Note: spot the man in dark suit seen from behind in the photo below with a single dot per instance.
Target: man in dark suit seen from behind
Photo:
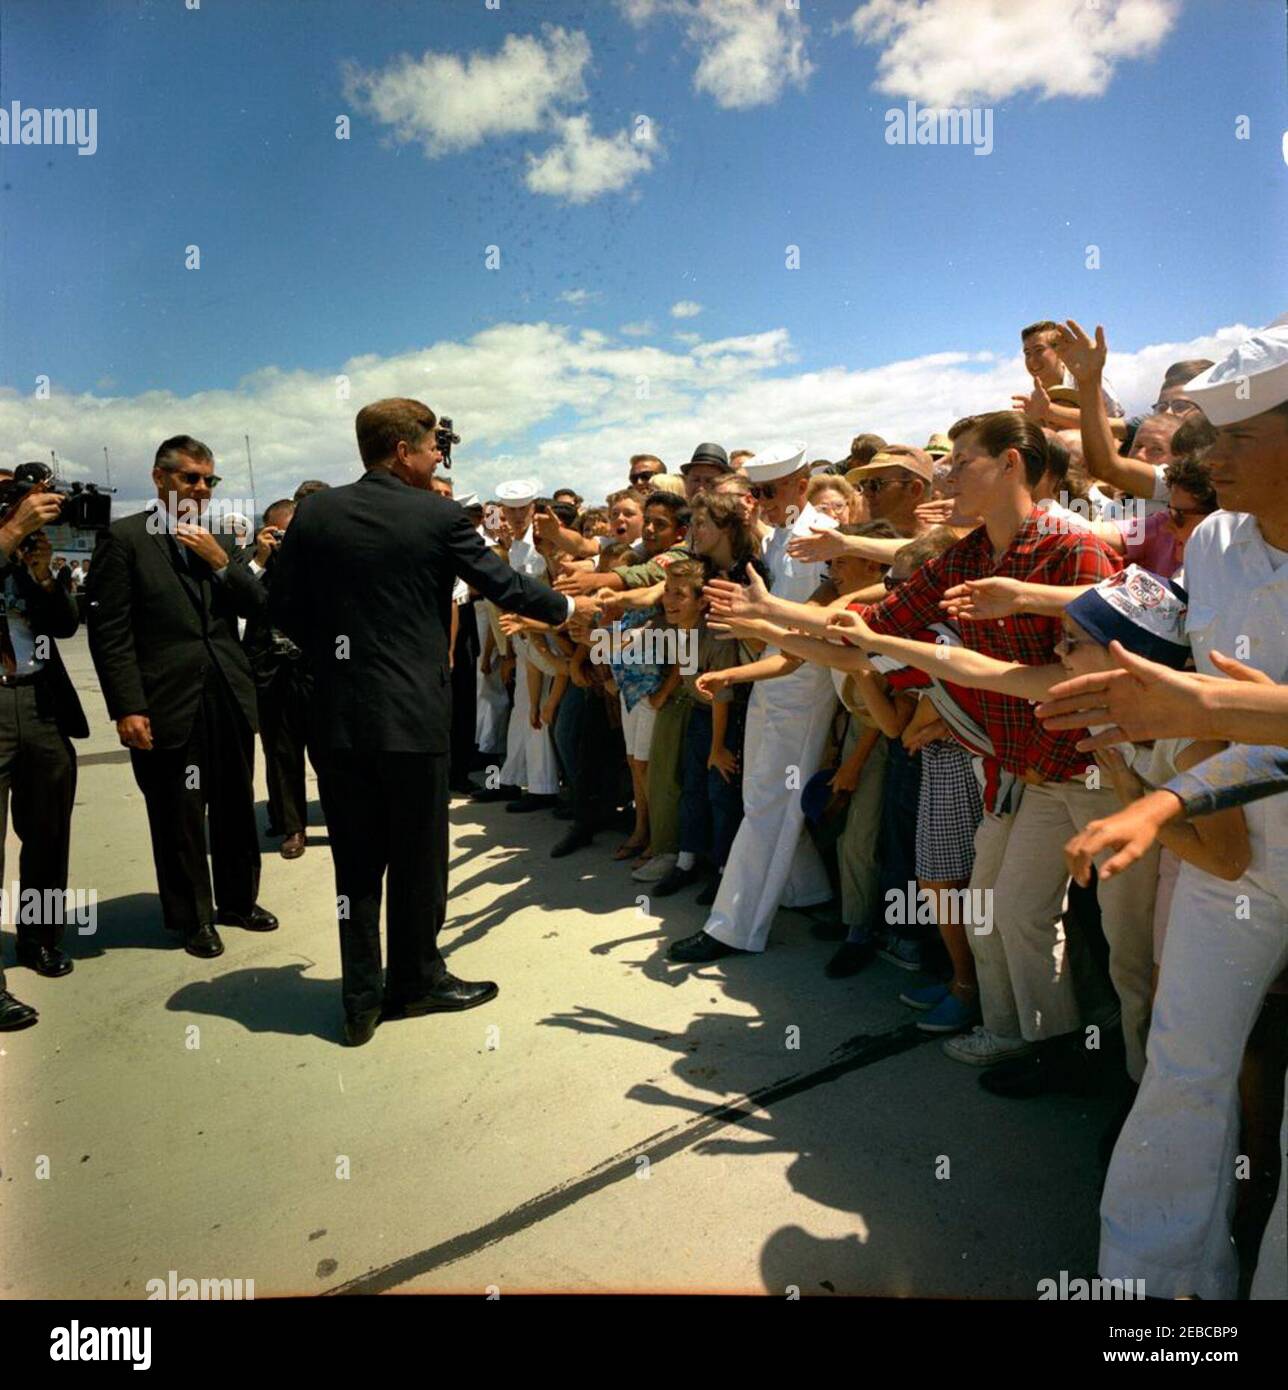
(164, 598)
(364, 584)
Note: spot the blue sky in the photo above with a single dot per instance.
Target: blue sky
(217, 127)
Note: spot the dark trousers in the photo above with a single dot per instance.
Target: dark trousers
(283, 719)
(601, 760)
(710, 807)
(898, 835)
(465, 661)
(210, 774)
(387, 813)
(38, 777)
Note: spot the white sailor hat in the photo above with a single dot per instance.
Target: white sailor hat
(773, 462)
(1252, 379)
(517, 493)
(469, 499)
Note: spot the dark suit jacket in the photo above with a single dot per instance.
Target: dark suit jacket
(363, 583)
(156, 629)
(52, 615)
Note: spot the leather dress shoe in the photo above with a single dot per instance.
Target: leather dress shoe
(700, 948)
(14, 1014)
(45, 960)
(449, 995)
(577, 838)
(708, 894)
(293, 846)
(360, 1028)
(204, 942)
(849, 958)
(675, 881)
(257, 919)
(1056, 1066)
(529, 802)
(504, 792)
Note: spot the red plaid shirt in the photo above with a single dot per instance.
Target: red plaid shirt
(1022, 743)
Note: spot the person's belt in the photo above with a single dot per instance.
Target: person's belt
(9, 682)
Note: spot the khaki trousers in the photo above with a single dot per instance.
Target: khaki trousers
(1026, 980)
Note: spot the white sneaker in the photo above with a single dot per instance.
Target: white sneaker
(980, 1048)
(657, 868)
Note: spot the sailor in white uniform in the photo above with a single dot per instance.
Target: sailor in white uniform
(771, 863)
(1165, 1214)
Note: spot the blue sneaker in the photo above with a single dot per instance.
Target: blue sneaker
(950, 1015)
(903, 951)
(924, 998)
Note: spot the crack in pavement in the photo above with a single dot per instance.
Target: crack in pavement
(863, 1050)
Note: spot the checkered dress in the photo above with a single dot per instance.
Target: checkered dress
(948, 813)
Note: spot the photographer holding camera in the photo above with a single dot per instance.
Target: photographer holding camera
(39, 716)
(283, 686)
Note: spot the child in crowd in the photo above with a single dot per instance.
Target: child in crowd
(711, 804)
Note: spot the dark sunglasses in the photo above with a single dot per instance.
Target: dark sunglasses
(638, 478)
(192, 478)
(762, 492)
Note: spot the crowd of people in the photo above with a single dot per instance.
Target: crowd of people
(983, 707)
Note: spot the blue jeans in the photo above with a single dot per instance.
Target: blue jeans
(710, 807)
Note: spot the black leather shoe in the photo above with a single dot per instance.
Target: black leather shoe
(1056, 1066)
(526, 803)
(361, 1028)
(204, 942)
(700, 947)
(257, 919)
(708, 894)
(45, 960)
(849, 958)
(675, 881)
(449, 995)
(501, 793)
(14, 1014)
(577, 838)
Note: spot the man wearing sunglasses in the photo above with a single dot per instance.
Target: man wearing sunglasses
(643, 469)
(896, 482)
(164, 596)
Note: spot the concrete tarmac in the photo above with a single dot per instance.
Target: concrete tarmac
(611, 1122)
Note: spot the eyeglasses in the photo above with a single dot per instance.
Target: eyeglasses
(638, 478)
(762, 492)
(872, 486)
(192, 478)
(1178, 406)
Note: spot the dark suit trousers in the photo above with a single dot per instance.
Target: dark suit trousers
(601, 759)
(212, 772)
(38, 778)
(464, 694)
(283, 718)
(387, 813)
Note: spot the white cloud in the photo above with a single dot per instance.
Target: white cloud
(508, 387)
(450, 103)
(685, 309)
(579, 298)
(952, 52)
(748, 50)
(641, 328)
(581, 165)
(689, 338)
